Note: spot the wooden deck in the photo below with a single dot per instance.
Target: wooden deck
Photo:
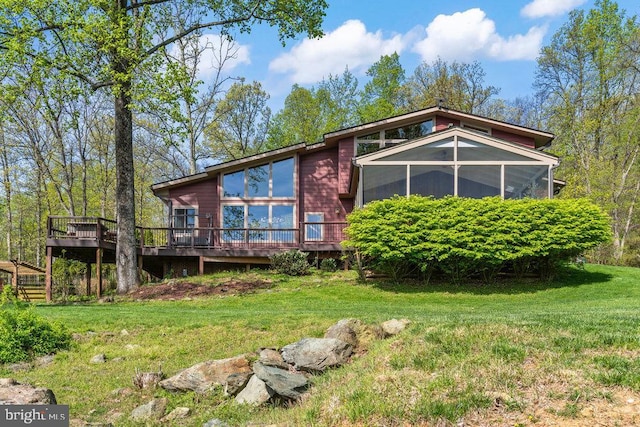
(165, 251)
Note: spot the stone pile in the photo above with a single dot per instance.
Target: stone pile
(281, 376)
(269, 375)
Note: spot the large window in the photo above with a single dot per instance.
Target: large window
(258, 222)
(258, 203)
(271, 180)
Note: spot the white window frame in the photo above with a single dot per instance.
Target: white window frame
(308, 224)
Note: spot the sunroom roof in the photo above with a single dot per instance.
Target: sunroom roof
(472, 146)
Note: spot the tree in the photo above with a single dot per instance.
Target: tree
(456, 85)
(299, 120)
(310, 113)
(385, 94)
(242, 122)
(588, 78)
(337, 99)
(108, 44)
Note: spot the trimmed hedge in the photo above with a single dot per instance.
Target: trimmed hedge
(463, 237)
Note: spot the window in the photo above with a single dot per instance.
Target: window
(258, 222)
(271, 180)
(314, 229)
(526, 181)
(486, 131)
(282, 177)
(436, 181)
(234, 184)
(376, 141)
(383, 182)
(184, 218)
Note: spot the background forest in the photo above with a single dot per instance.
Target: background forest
(56, 135)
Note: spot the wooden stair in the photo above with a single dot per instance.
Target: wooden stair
(32, 293)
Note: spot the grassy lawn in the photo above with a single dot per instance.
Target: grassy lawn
(512, 354)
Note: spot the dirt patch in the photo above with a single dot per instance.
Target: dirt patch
(176, 290)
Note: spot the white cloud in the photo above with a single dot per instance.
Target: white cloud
(349, 45)
(214, 49)
(469, 35)
(544, 8)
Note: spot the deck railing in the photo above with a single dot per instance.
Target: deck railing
(308, 234)
(81, 227)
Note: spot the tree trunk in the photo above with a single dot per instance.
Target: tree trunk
(6, 180)
(126, 257)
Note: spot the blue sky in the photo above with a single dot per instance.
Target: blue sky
(504, 36)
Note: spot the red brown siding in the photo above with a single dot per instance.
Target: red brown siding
(345, 166)
(518, 139)
(201, 195)
(443, 123)
(319, 185)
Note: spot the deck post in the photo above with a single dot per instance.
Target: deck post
(48, 280)
(140, 264)
(99, 272)
(14, 278)
(200, 265)
(87, 278)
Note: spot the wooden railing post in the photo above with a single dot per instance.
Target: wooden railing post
(141, 237)
(48, 279)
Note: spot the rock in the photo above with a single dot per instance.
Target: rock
(17, 367)
(215, 423)
(15, 393)
(345, 330)
(45, 360)
(394, 326)
(206, 375)
(271, 357)
(124, 332)
(236, 382)
(178, 413)
(98, 358)
(317, 354)
(151, 410)
(255, 393)
(147, 379)
(283, 383)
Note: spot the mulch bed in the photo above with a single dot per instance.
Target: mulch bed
(175, 290)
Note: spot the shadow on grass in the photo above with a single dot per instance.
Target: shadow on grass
(566, 278)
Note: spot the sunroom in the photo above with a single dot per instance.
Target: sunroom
(457, 162)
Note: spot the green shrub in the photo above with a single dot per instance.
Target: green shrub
(329, 265)
(292, 263)
(25, 335)
(463, 237)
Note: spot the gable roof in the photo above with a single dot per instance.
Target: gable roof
(541, 138)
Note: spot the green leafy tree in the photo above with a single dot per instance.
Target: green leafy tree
(456, 85)
(242, 122)
(298, 121)
(588, 78)
(110, 44)
(310, 113)
(385, 94)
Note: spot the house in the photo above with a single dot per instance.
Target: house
(298, 197)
